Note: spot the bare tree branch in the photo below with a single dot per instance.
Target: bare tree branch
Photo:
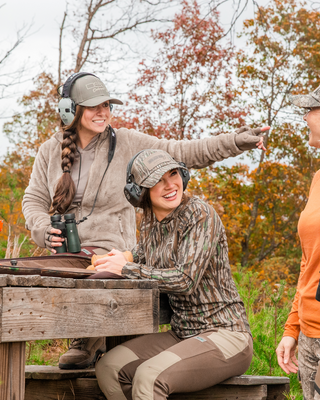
(124, 16)
(11, 77)
(60, 45)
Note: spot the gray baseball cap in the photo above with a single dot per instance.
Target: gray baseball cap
(310, 100)
(90, 91)
(150, 165)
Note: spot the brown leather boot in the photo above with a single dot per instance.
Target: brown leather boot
(82, 353)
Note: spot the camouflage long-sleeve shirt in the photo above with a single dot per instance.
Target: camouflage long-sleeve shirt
(187, 253)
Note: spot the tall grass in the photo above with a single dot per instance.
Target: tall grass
(267, 307)
(45, 352)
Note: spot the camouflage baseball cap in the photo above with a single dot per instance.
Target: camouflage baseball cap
(90, 91)
(310, 100)
(150, 165)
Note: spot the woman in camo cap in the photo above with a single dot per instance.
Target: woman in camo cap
(303, 324)
(183, 246)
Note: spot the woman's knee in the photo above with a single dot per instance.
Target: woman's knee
(107, 371)
(143, 381)
(146, 378)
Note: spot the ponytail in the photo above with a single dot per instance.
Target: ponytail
(66, 190)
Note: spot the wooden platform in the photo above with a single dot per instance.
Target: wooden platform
(52, 383)
(34, 307)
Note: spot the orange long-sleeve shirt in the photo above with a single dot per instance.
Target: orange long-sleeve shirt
(305, 312)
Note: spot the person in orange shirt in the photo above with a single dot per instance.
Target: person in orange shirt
(303, 324)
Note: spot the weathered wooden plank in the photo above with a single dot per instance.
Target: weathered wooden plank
(53, 281)
(241, 391)
(36, 280)
(3, 280)
(89, 284)
(17, 369)
(53, 373)
(223, 392)
(4, 371)
(23, 280)
(87, 388)
(12, 374)
(257, 380)
(129, 284)
(48, 372)
(39, 313)
(67, 389)
(155, 305)
(277, 392)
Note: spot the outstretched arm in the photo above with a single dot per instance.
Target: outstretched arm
(201, 153)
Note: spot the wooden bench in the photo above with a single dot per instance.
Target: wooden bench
(52, 383)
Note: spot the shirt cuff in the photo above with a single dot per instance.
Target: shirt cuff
(38, 235)
(131, 270)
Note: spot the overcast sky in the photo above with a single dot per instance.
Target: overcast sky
(42, 43)
(40, 49)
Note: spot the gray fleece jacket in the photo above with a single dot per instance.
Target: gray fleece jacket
(112, 223)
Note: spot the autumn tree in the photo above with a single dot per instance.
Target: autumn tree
(188, 84)
(260, 206)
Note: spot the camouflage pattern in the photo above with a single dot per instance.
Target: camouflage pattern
(309, 361)
(310, 100)
(150, 165)
(187, 253)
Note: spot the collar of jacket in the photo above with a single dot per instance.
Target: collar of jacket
(59, 135)
(174, 214)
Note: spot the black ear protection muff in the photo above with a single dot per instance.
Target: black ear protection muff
(185, 175)
(66, 106)
(134, 192)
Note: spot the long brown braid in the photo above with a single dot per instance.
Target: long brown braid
(66, 190)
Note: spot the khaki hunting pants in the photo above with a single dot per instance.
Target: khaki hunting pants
(153, 366)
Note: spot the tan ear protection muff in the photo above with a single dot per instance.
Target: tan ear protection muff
(66, 106)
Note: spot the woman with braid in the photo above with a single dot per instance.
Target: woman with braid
(183, 246)
(82, 170)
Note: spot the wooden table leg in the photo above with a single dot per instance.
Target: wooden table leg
(12, 370)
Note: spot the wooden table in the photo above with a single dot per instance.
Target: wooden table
(37, 308)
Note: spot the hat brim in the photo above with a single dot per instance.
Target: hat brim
(157, 174)
(99, 100)
(304, 101)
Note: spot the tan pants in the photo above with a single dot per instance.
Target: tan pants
(153, 366)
